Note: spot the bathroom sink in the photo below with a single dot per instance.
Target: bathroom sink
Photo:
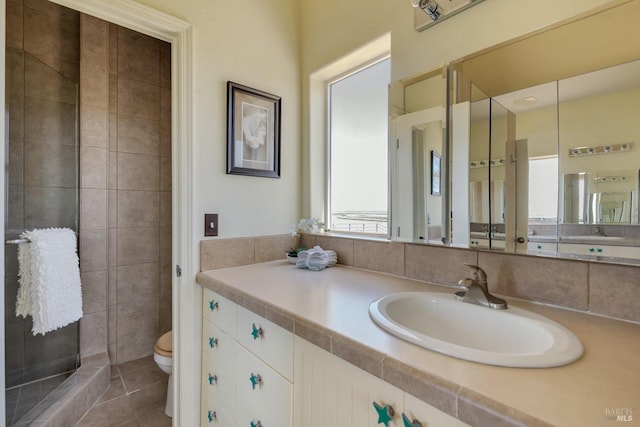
(512, 337)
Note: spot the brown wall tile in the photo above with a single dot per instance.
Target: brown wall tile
(51, 30)
(140, 62)
(94, 131)
(50, 207)
(138, 245)
(93, 333)
(379, 256)
(613, 291)
(138, 99)
(342, 246)
(15, 24)
(139, 135)
(94, 291)
(138, 209)
(552, 281)
(93, 250)
(225, 253)
(138, 172)
(93, 209)
(50, 121)
(138, 284)
(270, 248)
(438, 265)
(93, 167)
(138, 330)
(47, 165)
(58, 88)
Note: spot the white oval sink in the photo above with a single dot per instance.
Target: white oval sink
(512, 337)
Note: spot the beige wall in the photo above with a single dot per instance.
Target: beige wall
(254, 43)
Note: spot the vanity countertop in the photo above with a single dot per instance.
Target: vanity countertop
(330, 309)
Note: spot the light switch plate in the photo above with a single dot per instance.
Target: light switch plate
(211, 224)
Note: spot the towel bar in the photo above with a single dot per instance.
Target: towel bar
(16, 241)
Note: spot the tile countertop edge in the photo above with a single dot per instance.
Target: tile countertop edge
(460, 402)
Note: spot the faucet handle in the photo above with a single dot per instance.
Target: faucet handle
(479, 275)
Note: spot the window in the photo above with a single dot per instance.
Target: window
(358, 151)
(543, 188)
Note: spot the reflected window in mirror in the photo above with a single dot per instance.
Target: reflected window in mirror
(357, 197)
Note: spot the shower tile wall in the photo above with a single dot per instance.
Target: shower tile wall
(42, 64)
(126, 181)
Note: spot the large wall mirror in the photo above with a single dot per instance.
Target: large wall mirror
(544, 143)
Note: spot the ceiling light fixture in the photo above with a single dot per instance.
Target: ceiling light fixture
(526, 101)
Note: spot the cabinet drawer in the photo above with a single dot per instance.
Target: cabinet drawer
(218, 347)
(212, 414)
(269, 402)
(274, 345)
(220, 385)
(219, 311)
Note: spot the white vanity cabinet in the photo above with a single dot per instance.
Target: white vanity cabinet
(247, 367)
(330, 392)
(612, 251)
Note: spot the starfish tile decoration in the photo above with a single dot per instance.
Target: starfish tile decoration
(256, 331)
(212, 379)
(211, 415)
(255, 379)
(408, 423)
(385, 413)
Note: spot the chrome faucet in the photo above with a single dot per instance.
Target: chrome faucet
(477, 292)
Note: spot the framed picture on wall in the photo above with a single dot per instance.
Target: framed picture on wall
(435, 173)
(253, 132)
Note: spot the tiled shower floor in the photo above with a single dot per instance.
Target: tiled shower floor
(136, 397)
(20, 400)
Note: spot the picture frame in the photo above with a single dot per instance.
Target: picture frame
(436, 173)
(253, 132)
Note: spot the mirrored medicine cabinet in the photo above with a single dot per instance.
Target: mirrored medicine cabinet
(538, 141)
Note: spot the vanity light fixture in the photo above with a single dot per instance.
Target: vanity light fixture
(430, 12)
(600, 149)
(484, 163)
(429, 7)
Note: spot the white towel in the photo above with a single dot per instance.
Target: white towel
(50, 289)
(316, 259)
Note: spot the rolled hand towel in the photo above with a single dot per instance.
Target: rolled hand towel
(316, 258)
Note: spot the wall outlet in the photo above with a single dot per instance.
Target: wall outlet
(210, 224)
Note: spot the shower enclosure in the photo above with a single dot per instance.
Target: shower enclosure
(41, 178)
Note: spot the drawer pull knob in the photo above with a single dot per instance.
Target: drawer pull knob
(599, 250)
(385, 413)
(213, 304)
(213, 342)
(407, 423)
(213, 379)
(211, 415)
(255, 423)
(255, 379)
(256, 331)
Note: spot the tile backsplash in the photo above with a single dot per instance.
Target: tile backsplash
(598, 288)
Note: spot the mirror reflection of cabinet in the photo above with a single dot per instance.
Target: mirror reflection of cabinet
(581, 139)
(571, 129)
(417, 153)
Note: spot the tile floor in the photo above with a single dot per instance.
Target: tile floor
(21, 400)
(135, 398)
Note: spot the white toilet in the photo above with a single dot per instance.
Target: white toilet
(162, 354)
